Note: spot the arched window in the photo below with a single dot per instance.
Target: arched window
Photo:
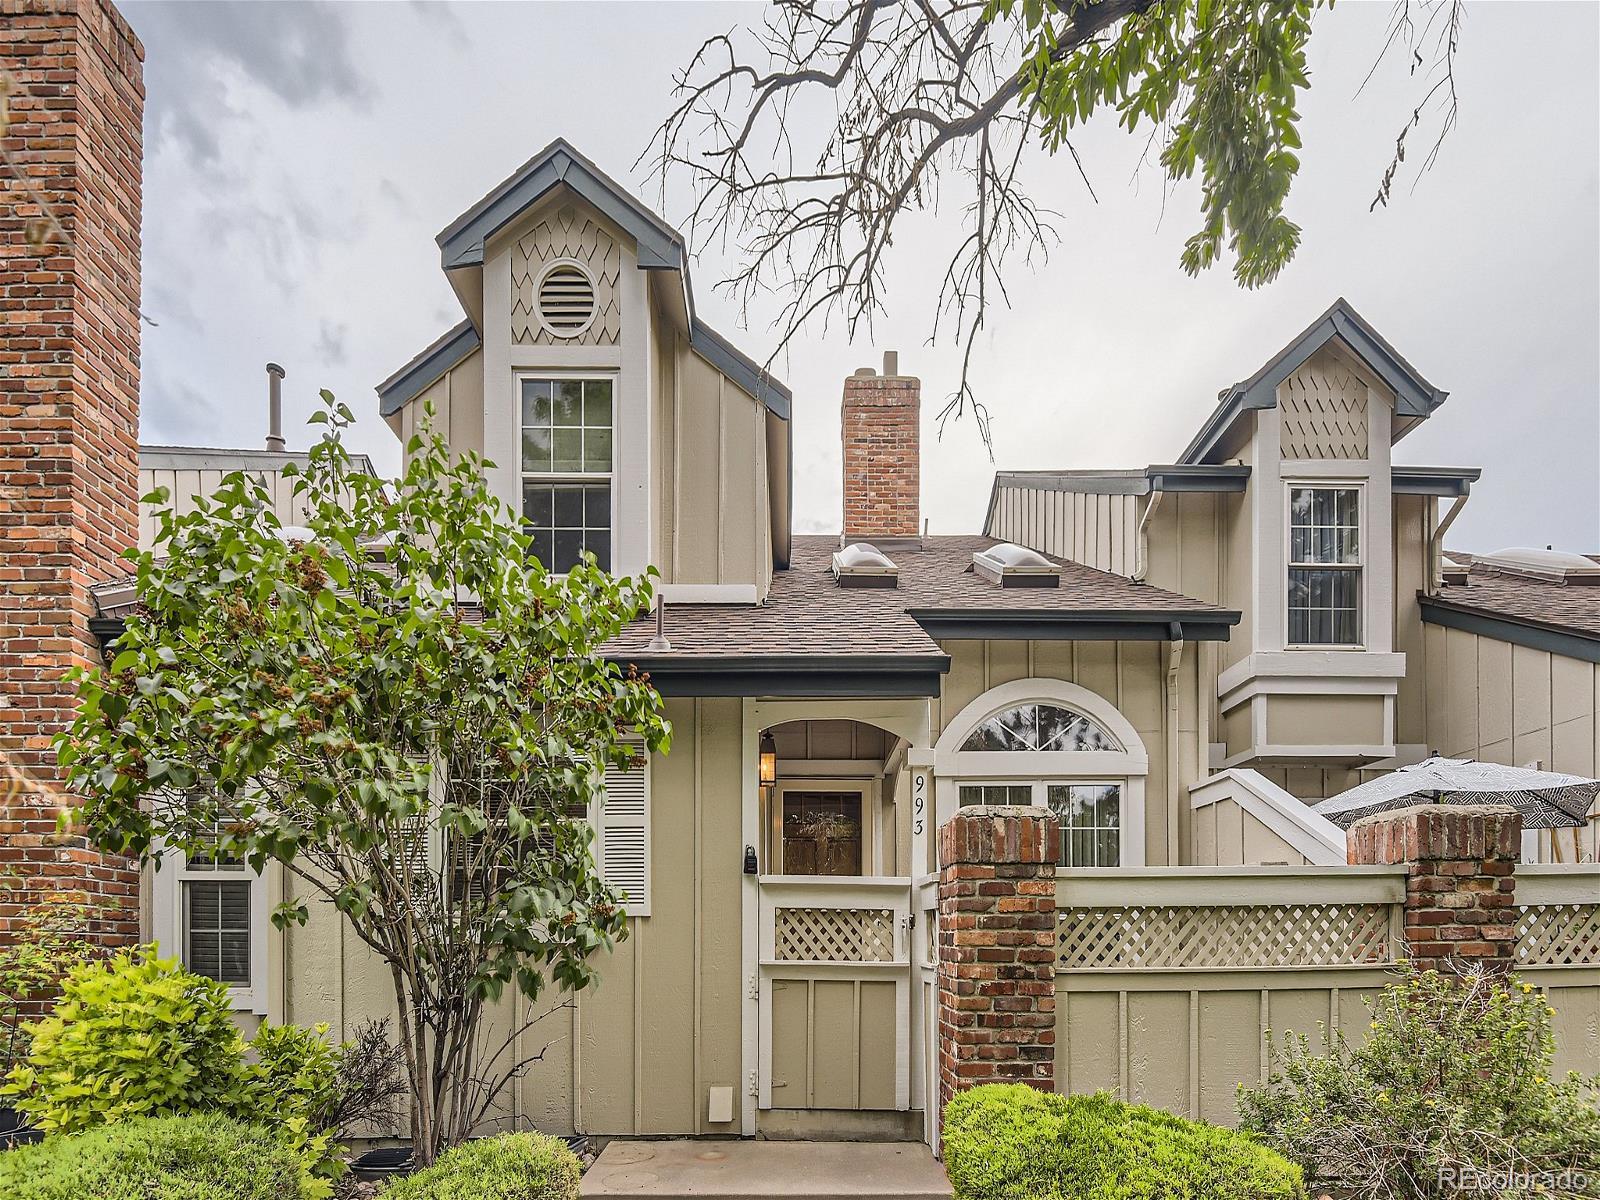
(1057, 745)
(1039, 727)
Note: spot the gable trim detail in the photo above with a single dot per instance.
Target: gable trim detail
(427, 368)
(1415, 397)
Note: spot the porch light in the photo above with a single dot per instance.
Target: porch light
(768, 765)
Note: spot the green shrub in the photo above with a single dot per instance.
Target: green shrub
(513, 1166)
(1452, 1084)
(45, 942)
(167, 1158)
(294, 1086)
(131, 1036)
(1013, 1142)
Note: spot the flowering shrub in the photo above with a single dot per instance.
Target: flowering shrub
(1452, 1091)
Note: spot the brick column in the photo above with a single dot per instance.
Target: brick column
(1461, 863)
(997, 949)
(69, 411)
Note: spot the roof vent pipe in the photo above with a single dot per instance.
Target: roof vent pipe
(275, 375)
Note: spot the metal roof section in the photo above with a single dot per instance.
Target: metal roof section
(411, 380)
(1433, 481)
(1179, 477)
(1415, 397)
(461, 242)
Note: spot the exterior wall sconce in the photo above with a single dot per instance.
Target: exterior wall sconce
(767, 768)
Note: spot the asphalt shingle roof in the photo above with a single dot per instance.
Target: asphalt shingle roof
(807, 614)
(1552, 605)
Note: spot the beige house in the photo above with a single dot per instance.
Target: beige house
(1170, 660)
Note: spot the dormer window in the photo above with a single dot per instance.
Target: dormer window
(1324, 590)
(567, 468)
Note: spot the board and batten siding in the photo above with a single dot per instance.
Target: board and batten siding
(185, 484)
(1096, 529)
(711, 512)
(635, 1054)
(1497, 702)
(457, 399)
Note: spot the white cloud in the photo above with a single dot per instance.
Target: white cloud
(301, 159)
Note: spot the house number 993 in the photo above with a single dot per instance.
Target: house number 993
(919, 801)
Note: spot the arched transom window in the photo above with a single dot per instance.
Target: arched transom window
(1039, 727)
(1063, 748)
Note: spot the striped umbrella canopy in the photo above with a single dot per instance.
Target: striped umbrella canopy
(1546, 799)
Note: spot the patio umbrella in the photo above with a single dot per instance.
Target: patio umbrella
(1546, 799)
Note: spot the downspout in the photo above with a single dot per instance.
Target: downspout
(1141, 569)
(1174, 791)
(1436, 547)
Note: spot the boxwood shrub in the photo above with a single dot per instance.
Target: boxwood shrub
(513, 1166)
(1013, 1142)
(162, 1158)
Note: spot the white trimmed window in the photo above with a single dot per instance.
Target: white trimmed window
(1051, 744)
(210, 912)
(1089, 813)
(623, 834)
(1324, 584)
(567, 460)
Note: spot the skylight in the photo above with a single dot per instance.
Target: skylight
(1011, 565)
(861, 564)
(1550, 566)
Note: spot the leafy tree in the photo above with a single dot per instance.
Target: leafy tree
(810, 138)
(401, 706)
(1452, 1092)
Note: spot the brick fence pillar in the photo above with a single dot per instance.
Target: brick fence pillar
(1461, 863)
(997, 935)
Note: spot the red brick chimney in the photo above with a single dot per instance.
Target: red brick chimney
(882, 453)
(69, 411)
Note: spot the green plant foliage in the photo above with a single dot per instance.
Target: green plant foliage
(131, 1036)
(169, 1158)
(1217, 80)
(1453, 1082)
(45, 941)
(401, 674)
(1014, 1142)
(513, 1166)
(294, 1086)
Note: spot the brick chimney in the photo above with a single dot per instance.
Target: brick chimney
(882, 453)
(69, 412)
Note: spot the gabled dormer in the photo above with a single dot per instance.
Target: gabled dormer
(1315, 670)
(618, 421)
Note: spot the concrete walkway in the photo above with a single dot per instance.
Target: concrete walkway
(752, 1170)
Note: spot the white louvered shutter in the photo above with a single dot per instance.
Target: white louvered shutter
(625, 836)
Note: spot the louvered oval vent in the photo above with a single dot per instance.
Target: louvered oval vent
(566, 300)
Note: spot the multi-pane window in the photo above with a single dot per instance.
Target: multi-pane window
(1324, 566)
(1090, 815)
(1039, 727)
(996, 793)
(567, 427)
(217, 929)
(216, 917)
(1091, 823)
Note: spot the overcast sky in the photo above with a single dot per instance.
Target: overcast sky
(300, 158)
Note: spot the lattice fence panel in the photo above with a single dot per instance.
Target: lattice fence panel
(1209, 936)
(834, 934)
(1558, 935)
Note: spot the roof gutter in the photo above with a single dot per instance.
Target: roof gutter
(1107, 625)
(896, 676)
